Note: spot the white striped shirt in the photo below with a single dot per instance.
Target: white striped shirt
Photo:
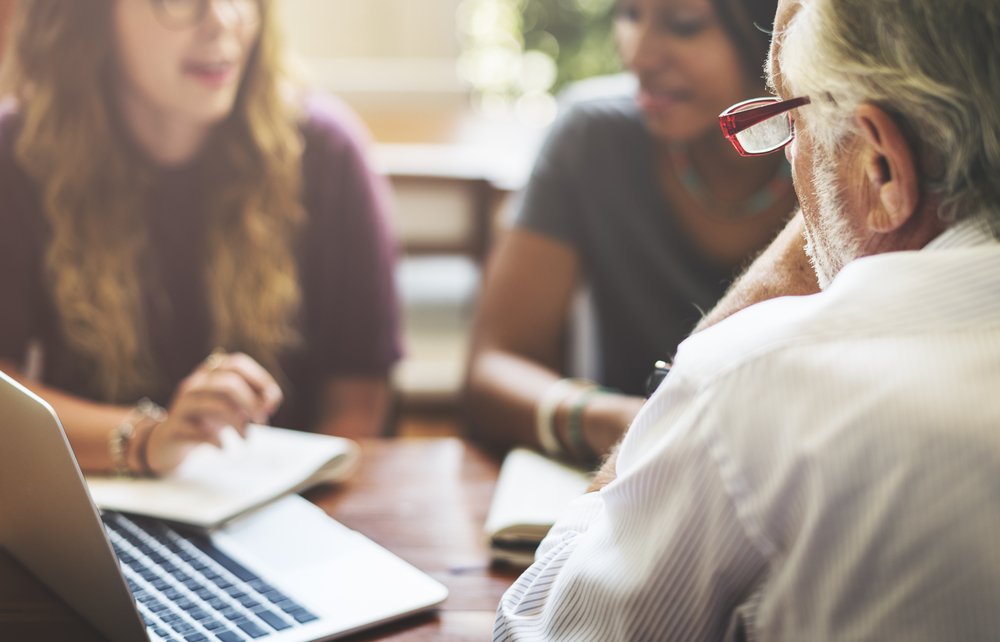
(813, 468)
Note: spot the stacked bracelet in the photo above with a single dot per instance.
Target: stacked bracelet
(144, 413)
(118, 443)
(574, 424)
(545, 413)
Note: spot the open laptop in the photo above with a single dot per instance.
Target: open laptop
(287, 573)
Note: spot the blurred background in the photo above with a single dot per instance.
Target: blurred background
(458, 95)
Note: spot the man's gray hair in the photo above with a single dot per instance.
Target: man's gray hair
(933, 65)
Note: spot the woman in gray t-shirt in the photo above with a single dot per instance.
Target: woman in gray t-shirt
(639, 197)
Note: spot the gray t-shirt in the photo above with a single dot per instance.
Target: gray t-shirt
(594, 187)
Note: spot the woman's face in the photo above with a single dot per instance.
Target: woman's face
(184, 69)
(689, 72)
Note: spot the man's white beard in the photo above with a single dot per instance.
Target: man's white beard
(832, 243)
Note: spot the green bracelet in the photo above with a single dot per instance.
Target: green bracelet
(574, 425)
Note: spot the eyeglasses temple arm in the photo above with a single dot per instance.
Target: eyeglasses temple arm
(735, 122)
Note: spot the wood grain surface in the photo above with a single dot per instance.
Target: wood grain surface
(423, 499)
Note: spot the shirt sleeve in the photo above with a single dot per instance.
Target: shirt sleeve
(349, 281)
(658, 554)
(547, 203)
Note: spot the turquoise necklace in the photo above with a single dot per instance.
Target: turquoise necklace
(775, 189)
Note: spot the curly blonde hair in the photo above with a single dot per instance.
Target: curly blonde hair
(59, 66)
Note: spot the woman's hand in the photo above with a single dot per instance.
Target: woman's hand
(225, 390)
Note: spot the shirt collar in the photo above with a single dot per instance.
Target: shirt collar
(971, 231)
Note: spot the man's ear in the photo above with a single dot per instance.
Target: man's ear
(890, 167)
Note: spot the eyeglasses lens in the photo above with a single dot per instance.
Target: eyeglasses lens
(767, 135)
(187, 13)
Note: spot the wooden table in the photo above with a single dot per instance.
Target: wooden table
(423, 499)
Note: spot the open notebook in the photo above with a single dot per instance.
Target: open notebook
(213, 486)
(532, 493)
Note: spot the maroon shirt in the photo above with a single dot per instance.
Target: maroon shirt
(345, 255)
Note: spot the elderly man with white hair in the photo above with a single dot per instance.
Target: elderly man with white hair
(826, 466)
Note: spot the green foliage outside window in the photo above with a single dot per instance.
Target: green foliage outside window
(576, 33)
(518, 53)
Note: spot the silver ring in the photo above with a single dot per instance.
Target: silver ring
(214, 360)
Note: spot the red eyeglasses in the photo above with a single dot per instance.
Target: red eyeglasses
(760, 125)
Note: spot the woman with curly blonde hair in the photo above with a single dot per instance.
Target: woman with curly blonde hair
(163, 194)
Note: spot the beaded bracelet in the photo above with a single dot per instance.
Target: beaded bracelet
(145, 411)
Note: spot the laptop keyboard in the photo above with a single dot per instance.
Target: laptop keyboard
(188, 590)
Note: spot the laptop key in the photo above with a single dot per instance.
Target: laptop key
(302, 616)
(272, 620)
(181, 627)
(248, 601)
(224, 560)
(229, 636)
(288, 606)
(274, 596)
(259, 585)
(251, 629)
(196, 637)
